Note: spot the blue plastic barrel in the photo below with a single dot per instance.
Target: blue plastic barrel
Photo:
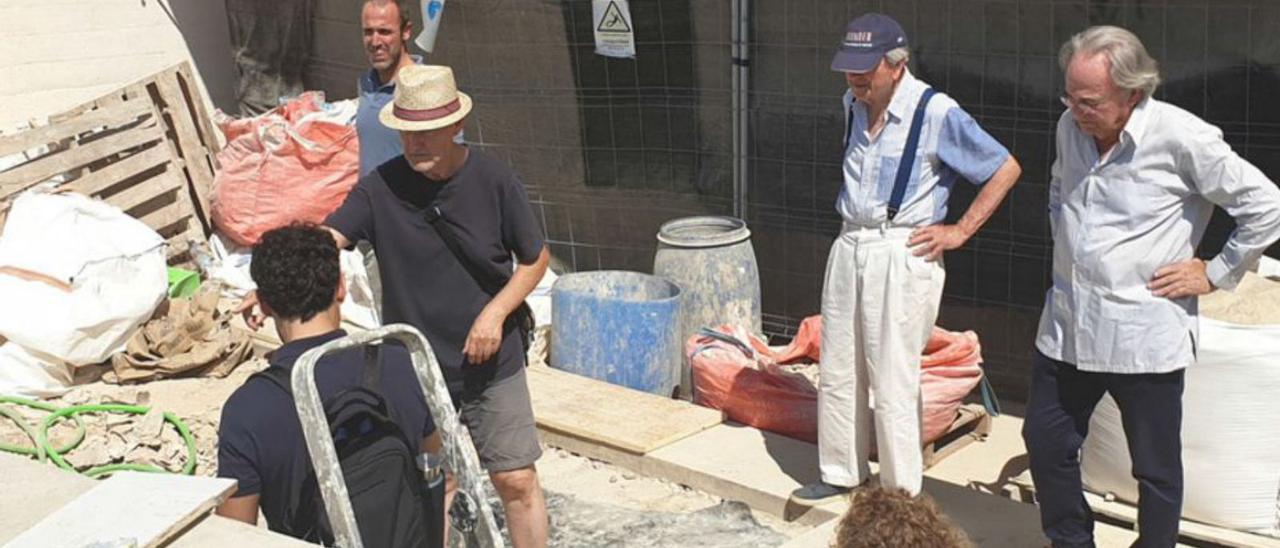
(618, 327)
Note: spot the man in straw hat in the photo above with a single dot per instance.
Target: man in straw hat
(884, 275)
(386, 26)
(444, 220)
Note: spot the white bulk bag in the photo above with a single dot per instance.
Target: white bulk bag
(29, 375)
(1230, 432)
(113, 263)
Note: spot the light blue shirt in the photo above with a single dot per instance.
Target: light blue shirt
(952, 146)
(378, 143)
(1118, 218)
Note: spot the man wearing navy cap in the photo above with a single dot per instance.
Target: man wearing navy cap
(884, 273)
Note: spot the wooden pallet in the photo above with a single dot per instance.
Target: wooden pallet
(1123, 513)
(147, 148)
(972, 424)
(188, 126)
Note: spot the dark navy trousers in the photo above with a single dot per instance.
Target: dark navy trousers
(1062, 399)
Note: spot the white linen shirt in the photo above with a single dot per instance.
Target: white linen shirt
(1115, 221)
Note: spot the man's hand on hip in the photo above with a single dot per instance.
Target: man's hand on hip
(485, 337)
(930, 241)
(1181, 279)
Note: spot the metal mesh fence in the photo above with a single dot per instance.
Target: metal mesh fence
(610, 148)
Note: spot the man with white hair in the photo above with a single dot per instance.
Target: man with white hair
(1132, 189)
(904, 149)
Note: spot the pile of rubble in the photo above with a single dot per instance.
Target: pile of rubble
(112, 438)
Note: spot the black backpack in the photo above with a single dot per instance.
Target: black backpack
(392, 504)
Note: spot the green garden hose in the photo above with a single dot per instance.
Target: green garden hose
(37, 449)
(42, 446)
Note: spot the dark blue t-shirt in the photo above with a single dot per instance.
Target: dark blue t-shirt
(260, 441)
(423, 282)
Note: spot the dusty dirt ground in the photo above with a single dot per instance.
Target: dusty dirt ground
(601, 483)
(198, 401)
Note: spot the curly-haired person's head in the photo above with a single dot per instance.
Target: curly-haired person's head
(296, 270)
(891, 518)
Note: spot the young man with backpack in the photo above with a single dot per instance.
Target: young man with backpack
(376, 410)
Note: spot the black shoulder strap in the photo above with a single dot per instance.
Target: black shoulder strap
(489, 282)
(908, 155)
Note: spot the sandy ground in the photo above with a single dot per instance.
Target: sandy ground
(198, 401)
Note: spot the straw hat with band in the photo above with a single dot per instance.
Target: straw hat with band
(426, 98)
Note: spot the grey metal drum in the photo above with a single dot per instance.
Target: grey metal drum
(711, 259)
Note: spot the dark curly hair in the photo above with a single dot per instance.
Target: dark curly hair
(296, 269)
(891, 518)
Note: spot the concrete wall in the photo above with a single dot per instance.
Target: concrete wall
(337, 56)
(56, 54)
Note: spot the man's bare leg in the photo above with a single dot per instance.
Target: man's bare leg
(525, 506)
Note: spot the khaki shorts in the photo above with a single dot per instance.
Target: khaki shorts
(501, 425)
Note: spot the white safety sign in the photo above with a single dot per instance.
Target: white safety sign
(615, 35)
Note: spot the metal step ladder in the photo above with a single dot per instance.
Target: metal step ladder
(459, 453)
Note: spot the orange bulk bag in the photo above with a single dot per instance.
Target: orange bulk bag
(757, 385)
(282, 167)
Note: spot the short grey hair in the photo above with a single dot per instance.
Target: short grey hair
(897, 56)
(1132, 68)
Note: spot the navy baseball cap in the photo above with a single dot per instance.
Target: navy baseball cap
(866, 40)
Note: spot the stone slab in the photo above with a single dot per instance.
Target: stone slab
(630, 420)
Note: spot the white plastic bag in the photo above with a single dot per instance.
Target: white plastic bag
(231, 267)
(540, 299)
(359, 308)
(113, 263)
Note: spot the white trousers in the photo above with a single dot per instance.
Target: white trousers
(879, 304)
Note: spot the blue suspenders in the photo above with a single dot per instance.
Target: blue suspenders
(908, 151)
